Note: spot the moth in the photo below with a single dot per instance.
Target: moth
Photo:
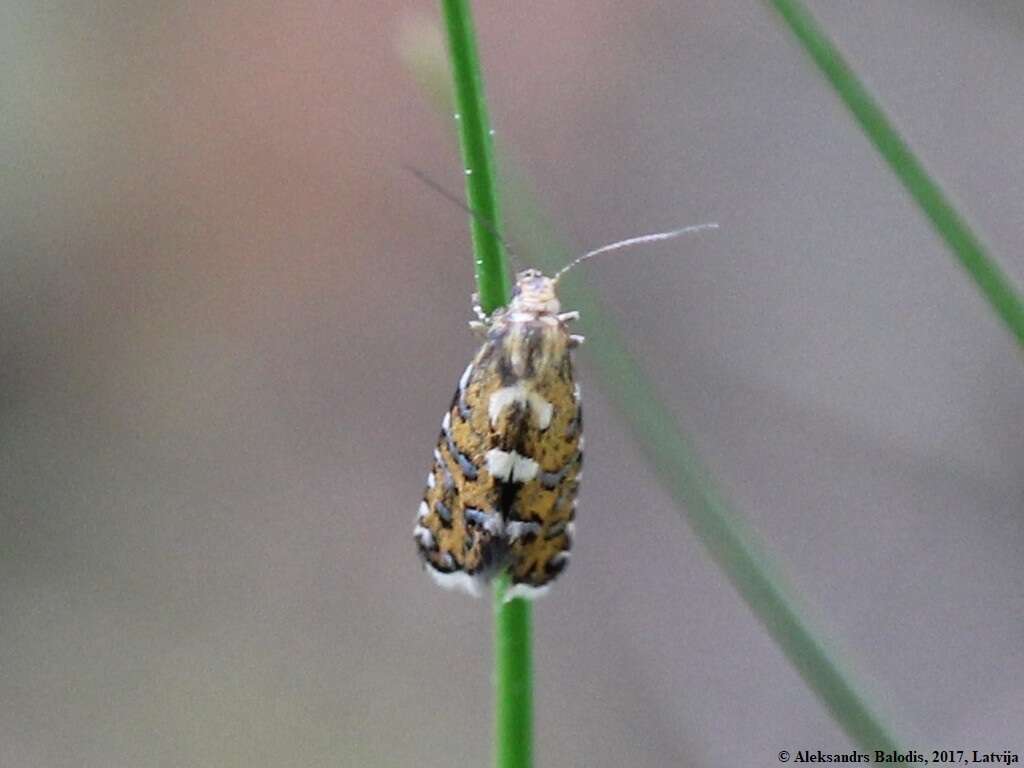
(501, 492)
(502, 489)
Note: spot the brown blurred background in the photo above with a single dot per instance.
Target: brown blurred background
(230, 321)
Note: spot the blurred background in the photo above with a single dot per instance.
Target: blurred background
(230, 322)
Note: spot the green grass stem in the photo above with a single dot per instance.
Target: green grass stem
(477, 154)
(513, 666)
(993, 283)
(513, 670)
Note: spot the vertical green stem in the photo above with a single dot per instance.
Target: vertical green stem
(477, 154)
(513, 670)
(953, 228)
(513, 678)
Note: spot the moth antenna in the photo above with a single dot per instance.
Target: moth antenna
(451, 197)
(629, 242)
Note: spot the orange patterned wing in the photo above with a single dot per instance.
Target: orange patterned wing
(539, 523)
(460, 530)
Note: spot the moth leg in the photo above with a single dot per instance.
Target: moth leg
(481, 316)
(575, 340)
(565, 317)
(482, 324)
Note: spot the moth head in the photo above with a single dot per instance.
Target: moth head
(534, 293)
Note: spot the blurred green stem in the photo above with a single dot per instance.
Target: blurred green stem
(735, 548)
(513, 678)
(951, 226)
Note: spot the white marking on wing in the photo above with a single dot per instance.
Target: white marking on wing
(489, 521)
(459, 581)
(542, 408)
(510, 466)
(499, 463)
(504, 397)
(464, 380)
(520, 393)
(424, 537)
(525, 468)
(517, 529)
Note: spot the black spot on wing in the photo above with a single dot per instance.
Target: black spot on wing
(445, 567)
(467, 467)
(506, 373)
(507, 497)
(575, 425)
(555, 565)
(459, 402)
(443, 513)
(555, 530)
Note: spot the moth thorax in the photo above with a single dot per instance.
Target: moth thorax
(533, 345)
(534, 293)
